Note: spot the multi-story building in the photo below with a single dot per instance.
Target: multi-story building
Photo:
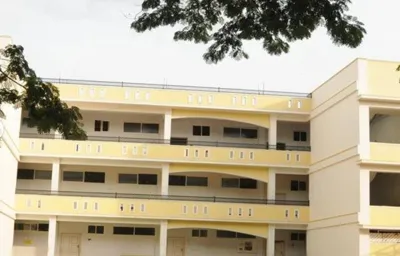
(191, 171)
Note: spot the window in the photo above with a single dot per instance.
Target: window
(242, 235)
(296, 185)
(123, 230)
(101, 126)
(141, 128)
(298, 236)
(248, 183)
(145, 231)
(41, 227)
(95, 177)
(150, 128)
(240, 133)
(230, 234)
(197, 181)
(179, 180)
(72, 176)
(226, 234)
(230, 183)
(242, 183)
(199, 233)
(25, 174)
(42, 175)
(89, 177)
(127, 178)
(95, 229)
(134, 231)
(231, 132)
(132, 127)
(249, 133)
(201, 130)
(148, 179)
(299, 136)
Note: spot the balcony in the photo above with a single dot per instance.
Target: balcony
(157, 150)
(385, 153)
(184, 96)
(385, 216)
(116, 205)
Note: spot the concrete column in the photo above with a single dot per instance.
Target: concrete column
(55, 175)
(271, 240)
(52, 237)
(167, 125)
(364, 214)
(271, 184)
(272, 131)
(162, 247)
(164, 179)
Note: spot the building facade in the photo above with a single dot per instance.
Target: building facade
(191, 171)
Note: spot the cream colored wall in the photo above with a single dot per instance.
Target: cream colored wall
(26, 242)
(283, 187)
(337, 122)
(30, 243)
(211, 245)
(285, 132)
(343, 240)
(108, 244)
(292, 248)
(183, 128)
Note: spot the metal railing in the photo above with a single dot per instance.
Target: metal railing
(214, 199)
(175, 87)
(175, 142)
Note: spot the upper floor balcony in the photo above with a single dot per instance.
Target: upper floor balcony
(120, 93)
(116, 205)
(384, 138)
(151, 138)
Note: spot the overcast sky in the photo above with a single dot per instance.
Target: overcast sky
(92, 39)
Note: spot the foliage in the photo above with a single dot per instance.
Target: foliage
(40, 99)
(227, 23)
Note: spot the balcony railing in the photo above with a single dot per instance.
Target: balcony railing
(163, 197)
(177, 142)
(176, 87)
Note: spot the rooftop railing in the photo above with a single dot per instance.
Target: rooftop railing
(175, 87)
(178, 142)
(214, 199)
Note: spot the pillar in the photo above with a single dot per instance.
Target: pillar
(272, 131)
(364, 214)
(271, 240)
(271, 184)
(164, 179)
(55, 175)
(167, 125)
(162, 247)
(52, 237)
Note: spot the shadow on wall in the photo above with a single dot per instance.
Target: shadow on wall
(384, 189)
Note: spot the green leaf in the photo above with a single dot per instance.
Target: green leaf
(39, 99)
(227, 23)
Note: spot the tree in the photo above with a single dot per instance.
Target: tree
(227, 23)
(20, 86)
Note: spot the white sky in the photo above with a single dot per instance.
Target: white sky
(92, 39)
